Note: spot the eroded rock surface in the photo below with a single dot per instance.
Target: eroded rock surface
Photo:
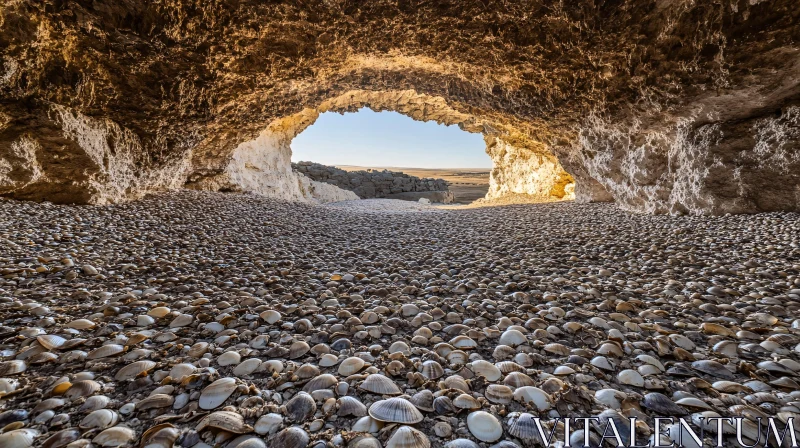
(664, 106)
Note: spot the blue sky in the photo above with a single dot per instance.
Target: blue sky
(368, 138)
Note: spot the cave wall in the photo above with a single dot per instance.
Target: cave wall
(663, 106)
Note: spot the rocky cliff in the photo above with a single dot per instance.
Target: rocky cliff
(369, 184)
(663, 106)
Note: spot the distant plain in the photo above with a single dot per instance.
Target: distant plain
(467, 184)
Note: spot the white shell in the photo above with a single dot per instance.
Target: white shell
(100, 419)
(158, 312)
(484, 426)
(269, 424)
(247, 367)
(486, 369)
(18, 438)
(179, 371)
(631, 377)
(116, 436)
(216, 393)
(182, 320)
(229, 358)
(512, 338)
(408, 437)
(531, 394)
(132, 370)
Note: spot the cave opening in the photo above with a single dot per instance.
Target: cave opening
(386, 154)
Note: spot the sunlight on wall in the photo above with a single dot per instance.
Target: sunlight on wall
(388, 139)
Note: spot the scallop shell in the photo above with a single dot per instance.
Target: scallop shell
(116, 436)
(423, 400)
(134, 369)
(523, 426)
(395, 410)
(379, 384)
(350, 406)
(408, 437)
(466, 401)
(99, 419)
(431, 370)
(216, 393)
(484, 426)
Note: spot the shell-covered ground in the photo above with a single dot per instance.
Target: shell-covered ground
(208, 319)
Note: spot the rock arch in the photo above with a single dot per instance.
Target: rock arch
(664, 106)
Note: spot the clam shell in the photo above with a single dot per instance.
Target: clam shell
(484, 426)
(18, 438)
(247, 367)
(395, 410)
(292, 437)
(179, 371)
(216, 393)
(431, 370)
(160, 436)
(106, 351)
(116, 436)
(134, 369)
(83, 388)
(155, 401)
(94, 403)
(12, 367)
(158, 312)
(62, 438)
(499, 393)
(229, 358)
(324, 381)
(301, 407)
(351, 365)
(182, 320)
(226, 421)
(350, 406)
(486, 370)
(534, 395)
(99, 419)
(423, 400)
(51, 341)
(81, 324)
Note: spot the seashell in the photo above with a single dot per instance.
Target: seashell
(229, 358)
(484, 426)
(462, 342)
(94, 403)
(134, 369)
(155, 401)
(462, 443)
(324, 381)
(522, 426)
(301, 407)
(42, 358)
(62, 438)
(351, 365)
(197, 350)
(661, 404)
(99, 419)
(456, 382)
(367, 424)
(181, 320)
(18, 438)
(247, 367)
(81, 324)
(106, 351)
(499, 394)
(530, 394)
(512, 338)
(466, 401)
(431, 370)
(306, 371)
(51, 341)
(408, 437)
(693, 403)
(364, 441)
(83, 388)
(423, 400)
(350, 406)
(443, 405)
(379, 384)
(216, 393)
(48, 404)
(395, 410)
(292, 437)
(712, 368)
(115, 436)
(268, 424)
(507, 367)
(271, 366)
(630, 377)
(158, 312)
(775, 368)
(457, 357)
(270, 316)
(298, 349)
(611, 398)
(179, 371)
(557, 349)
(226, 421)
(486, 369)
(12, 368)
(518, 379)
(163, 435)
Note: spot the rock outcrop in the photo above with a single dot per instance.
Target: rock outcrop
(663, 106)
(368, 184)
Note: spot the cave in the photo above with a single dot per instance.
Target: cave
(169, 279)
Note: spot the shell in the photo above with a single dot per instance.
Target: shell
(134, 369)
(12, 367)
(83, 388)
(94, 403)
(499, 394)
(247, 367)
(534, 395)
(160, 436)
(179, 371)
(181, 320)
(62, 438)
(229, 358)
(81, 324)
(292, 437)
(226, 421)
(486, 370)
(350, 406)
(158, 312)
(116, 436)
(106, 351)
(216, 393)
(99, 419)
(324, 381)
(523, 426)
(431, 370)
(395, 410)
(18, 438)
(484, 426)
(379, 384)
(51, 341)
(351, 365)
(408, 437)
(155, 401)
(301, 407)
